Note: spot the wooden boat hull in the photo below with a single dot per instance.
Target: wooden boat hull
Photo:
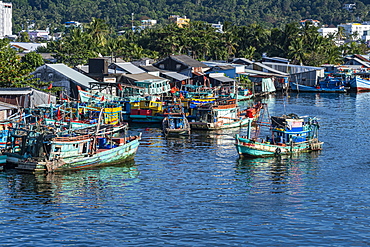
(146, 119)
(103, 157)
(2, 161)
(244, 97)
(220, 125)
(359, 84)
(252, 149)
(303, 88)
(176, 132)
(176, 126)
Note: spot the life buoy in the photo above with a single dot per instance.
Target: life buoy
(277, 151)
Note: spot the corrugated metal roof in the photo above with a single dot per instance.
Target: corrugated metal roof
(258, 72)
(142, 77)
(185, 60)
(244, 60)
(176, 76)
(188, 61)
(27, 46)
(271, 69)
(363, 63)
(220, 77)
(149, 68)
(15, 91)
(6, 106)
(74, 75)
(128, 67)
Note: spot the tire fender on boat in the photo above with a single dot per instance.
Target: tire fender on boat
(277, 151)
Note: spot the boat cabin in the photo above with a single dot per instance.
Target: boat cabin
(291, 129)
(154, 86)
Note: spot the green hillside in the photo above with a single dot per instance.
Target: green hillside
(117, 13)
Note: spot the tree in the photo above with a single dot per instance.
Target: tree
(296, 51)
(32, 60)
(23, 37)
(98, 29)
(13, 72)
(75, 49)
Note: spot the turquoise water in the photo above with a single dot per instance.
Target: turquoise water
(196, 192)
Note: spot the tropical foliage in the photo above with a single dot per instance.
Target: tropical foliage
(301, 44)
(118, 13)
(13, 71)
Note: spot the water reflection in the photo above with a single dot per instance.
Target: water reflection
(69, 186)
(277, 174)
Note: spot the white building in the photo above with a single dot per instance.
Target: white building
(326, 31)
(38, 34)
(218, 27)
(148, 23)
(5, 19)
(357, 30)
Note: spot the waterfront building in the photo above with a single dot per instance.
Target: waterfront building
(60, 75)
(5, 19)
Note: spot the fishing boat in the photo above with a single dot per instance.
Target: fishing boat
(223, 114)
(4, 132)
(244, 94)
(360, 82)
(175, 123)
(289, 134)
(146, 111)
(40, 152)
(328, 85)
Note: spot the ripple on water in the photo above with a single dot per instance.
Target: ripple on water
(196, 192)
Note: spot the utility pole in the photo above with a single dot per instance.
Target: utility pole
(132, 21)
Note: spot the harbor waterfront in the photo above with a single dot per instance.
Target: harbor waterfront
(195, 191)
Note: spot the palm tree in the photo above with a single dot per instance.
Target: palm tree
(229, 42)
(340, 34)
(297, 51)
(98, 29)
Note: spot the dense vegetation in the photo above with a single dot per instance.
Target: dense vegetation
(15, 71)
(241, 36)
(117, 13)
(303, 45)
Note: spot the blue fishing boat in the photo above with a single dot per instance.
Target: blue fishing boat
(4, 133)
(175, 123)
(360, 82)
(328, 85)
(289, 134)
